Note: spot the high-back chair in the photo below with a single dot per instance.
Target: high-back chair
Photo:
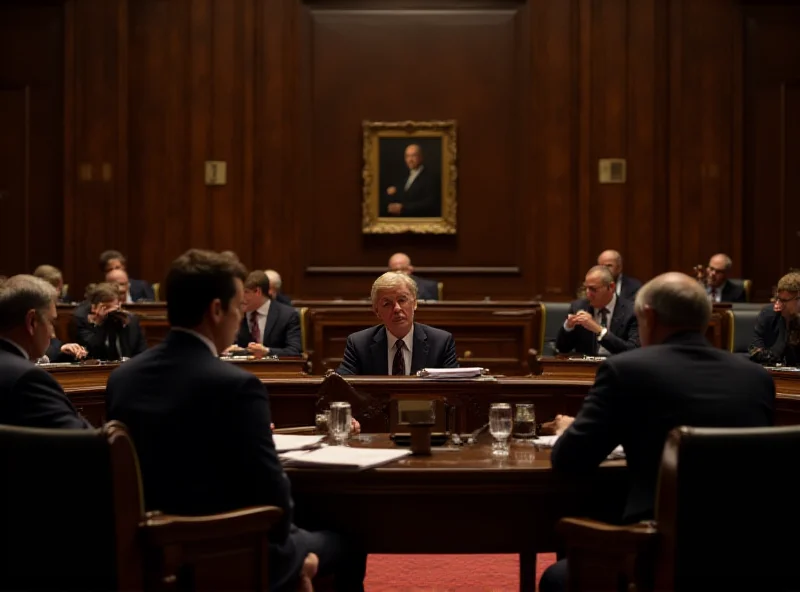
(72, 518)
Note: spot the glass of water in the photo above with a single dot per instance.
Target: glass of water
(500, 427)
(524, 422)
(340, 422)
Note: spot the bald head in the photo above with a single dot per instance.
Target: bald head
(401, 262)
(120, 278)
(613, 261)
(671, 303)
(413, 156)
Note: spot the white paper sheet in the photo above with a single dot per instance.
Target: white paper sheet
(287, 442)
(550, 441)
(343, 457)
(447, 373)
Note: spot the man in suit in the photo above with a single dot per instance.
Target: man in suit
(426, 289)
(419, 195)
(52, 275)
(398, 346)
(202, 426)
(600, 324)
(275, 284)
(268, 328)
(59, 353)
(625, 286)
(676, 379)
(778, 325)
(718, 287)
(29, 395)
(106, 331)
(138, 290)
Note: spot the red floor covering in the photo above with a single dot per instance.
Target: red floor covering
(447, 573)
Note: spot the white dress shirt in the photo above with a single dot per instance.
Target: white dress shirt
(717, 297)
(262, 311)
(413, 175)
(618, 285)
(201, 337)
(408, 340)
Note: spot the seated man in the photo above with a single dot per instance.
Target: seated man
(426, 289)
(275, 283)
(139, 290)
(625, 286)
(600, 324)
(718, 287)
(202, 426)
(268, 328)
(677, 379)
(398, 346)
(29, 395)
(52, 275)
(104, 329)
(777, 331)
(61, 353)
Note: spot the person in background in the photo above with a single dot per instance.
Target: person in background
(202, 426)
(426, 289)
(268, 328)
(777, 330)
(718, 285)
(105, 329)
(139, 290)
(398, 346)
(275, 284)
(625, 286)
(52, 275)
(677, 378)
(29, 395)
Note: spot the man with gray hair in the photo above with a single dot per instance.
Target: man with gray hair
(600, 324)
(29, 396)
(676, 379)
(719, 287)
(626, 286)
(275, 285)
(398, 346)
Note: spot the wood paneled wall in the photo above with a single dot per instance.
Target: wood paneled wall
(541, 90)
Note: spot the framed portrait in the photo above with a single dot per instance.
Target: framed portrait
(409, 177)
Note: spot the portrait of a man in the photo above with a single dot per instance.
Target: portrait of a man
(409, 177)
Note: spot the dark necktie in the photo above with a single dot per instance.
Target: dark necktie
(604, 317)
(255, 332)
(399, 363)
(713, 295)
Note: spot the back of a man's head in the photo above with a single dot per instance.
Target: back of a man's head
(52, 275)
(195, 280)
(671, 303)
(20, 294)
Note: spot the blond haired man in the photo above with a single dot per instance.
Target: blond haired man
(398, 346)
(777, 331)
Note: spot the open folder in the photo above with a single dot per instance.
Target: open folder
(342, 457)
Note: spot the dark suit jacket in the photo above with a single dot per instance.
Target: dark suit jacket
(426, 289)
(283, 299)
(769, 345)
(622, 335)
(630, 286)
(281, 332)
(93, 338)
(639, 396)
(422, 198)
(54, 353)
(31, 397)
(201, 428)
(141, 290)
(367, 353)
(732, 293)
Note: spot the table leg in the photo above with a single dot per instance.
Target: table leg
(527, 571)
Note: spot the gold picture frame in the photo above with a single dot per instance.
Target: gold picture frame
(409, 177)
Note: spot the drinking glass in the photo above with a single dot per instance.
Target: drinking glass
(340, 422)
(500, 427)
(524, 422)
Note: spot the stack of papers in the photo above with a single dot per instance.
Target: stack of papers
(287, 442)
(449, 373)
(342, 457)
(550, 441)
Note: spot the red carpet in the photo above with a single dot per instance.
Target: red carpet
(447, 573)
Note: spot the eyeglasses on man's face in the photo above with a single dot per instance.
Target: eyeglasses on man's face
(785, 301)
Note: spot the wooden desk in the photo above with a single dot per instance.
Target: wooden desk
(462, 501)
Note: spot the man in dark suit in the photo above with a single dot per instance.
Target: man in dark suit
(275, 285)
(59, 352)
(52, 275)
(419, 195)
(106, 331)
(676, 379)
(625, 286)
(600, 324)
(29, 395)
(718, 287)
(426, 289)
(138, 290)
(202, 426)
(399, 346)
(778, 325)
(268, 328)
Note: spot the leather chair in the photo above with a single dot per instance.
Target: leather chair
(555, 313)
(744, 329)
(157, 292)
(747, 285)
(440, 290)
(725, 519)
(72, 518)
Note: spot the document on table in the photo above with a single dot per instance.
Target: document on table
(550, 441)
(342, 457)
(450, 373)
(287, 442)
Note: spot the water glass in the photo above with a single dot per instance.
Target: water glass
(524, 422)
(340, 422)
(500, 427)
